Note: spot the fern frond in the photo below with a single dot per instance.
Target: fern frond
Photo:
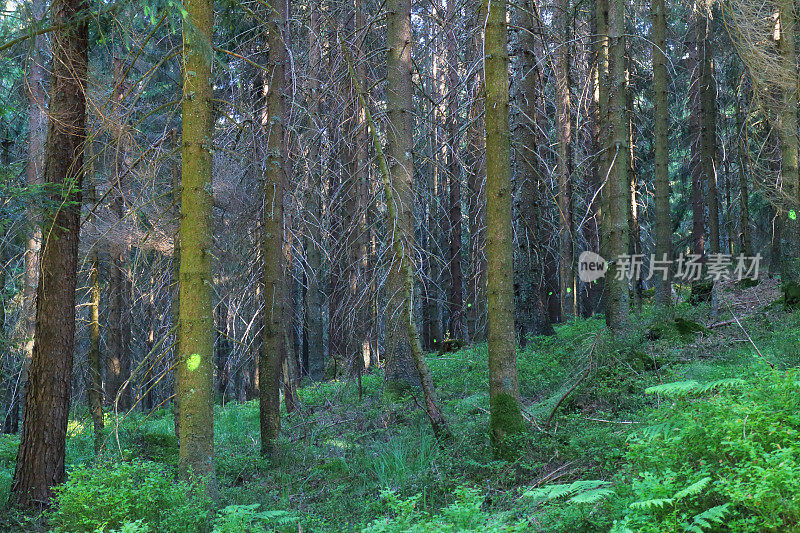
(695, 488)
(719, 384)
(679, 389)
(592, 496)
(581, 491)
(708, 518)
(676, 389)
(649, 504)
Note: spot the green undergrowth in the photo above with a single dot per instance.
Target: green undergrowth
(690, 429)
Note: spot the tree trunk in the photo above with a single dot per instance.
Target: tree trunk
(566, 267)
(476, 203)
(598, 117)
(272, 339)
(176, 276)
(532, 315)
(745, 246)
(787, 131)
(196, 315)
(505, 414)
(617, 189)
(634, 228)
(399, 369)
(708, 132)
(663, 221)
(94, 385)
(456, 299)
(40, 458)
(400, 241)
(223, 352)
(315, 297)
(37, 102)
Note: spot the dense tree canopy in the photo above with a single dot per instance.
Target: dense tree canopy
(211, 204)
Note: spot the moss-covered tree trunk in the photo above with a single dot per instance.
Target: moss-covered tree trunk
(399, 366)
(41, 454)
(272, 337)
(617, 189)
(196, 317)
(787, 131)
(663, 221)
(399, 246)
(504, 407)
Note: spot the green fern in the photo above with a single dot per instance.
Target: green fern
(582, 491)
(655, 502)
(676, 389)
(693, 489)
(708, 518)
(680, 389)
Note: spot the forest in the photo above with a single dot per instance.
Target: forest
(399, 265)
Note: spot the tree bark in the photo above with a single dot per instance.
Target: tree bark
(566, 267)
(532, 317)
(787, 131)
(476, 202)
(617, 189)
(196, 315)
(456, 300)
(272, 339)
(94, 385)
(399, 365)
(504, 407)
(663, 221)
(315, 297)
(40, 458)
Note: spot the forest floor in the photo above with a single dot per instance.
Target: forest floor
(688, 424)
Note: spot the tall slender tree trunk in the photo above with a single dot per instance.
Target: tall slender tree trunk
(566, 267)
(457, 330)
(504, 407)
(634, 226)
(94, 385)
(272, 339)
(196, 315)
(315, 297)
(532, 316)
(787, 131)
(663, 221)
(708, 131)
(617, 189)
(399, 369)
(37, 102)
(224, 351)
(40, 458)
(745, 246)
(598, 119)
(476, 201)
(400, 242)
(176, 297)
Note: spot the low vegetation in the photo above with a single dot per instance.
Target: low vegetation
(693, 431)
